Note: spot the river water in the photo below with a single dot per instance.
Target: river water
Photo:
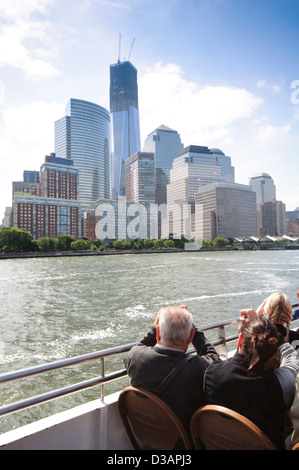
(56, 308)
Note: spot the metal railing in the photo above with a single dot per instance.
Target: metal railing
(221, 344)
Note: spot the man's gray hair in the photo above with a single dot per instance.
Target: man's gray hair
(175, 324)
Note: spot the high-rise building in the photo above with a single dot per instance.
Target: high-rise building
(56, 210)
(165, 144)
(59, 178)
(83, 135)
(195, 167)
(140, 178)
(125, 121)
(273, 218)
(31, 176)
(229, 210)
(264, 187)
(265, 190)
(293, 222)
(30, 184)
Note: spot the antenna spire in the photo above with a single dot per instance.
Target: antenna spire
(119, 46)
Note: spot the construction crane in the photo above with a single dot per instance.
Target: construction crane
(119, 48)
(131, 49)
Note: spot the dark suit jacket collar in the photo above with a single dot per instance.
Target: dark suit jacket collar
(168, 351)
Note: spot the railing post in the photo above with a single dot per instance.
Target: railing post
(102, 374)
(222, 349)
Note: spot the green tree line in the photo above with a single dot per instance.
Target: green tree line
(16, 240)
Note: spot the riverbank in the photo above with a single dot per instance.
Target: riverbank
(56, 254)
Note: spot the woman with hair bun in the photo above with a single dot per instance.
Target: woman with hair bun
(249, 384)
(279, 310)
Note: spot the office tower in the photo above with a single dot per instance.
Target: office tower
(83, 135)
(31, 176)
(140, 178)
(273, 218)
(166, 145)
(293, 222)
(30, 184)
(125, 121)
(57, 210)
(264, 187)
(229, 210)
(59, 178)
(140, 188)
(197, 166)
(293, 227)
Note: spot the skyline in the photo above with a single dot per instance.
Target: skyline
(219, 72)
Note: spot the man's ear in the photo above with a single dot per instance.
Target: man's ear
(191, 335)
(158, 336)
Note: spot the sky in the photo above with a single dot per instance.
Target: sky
(222, 73)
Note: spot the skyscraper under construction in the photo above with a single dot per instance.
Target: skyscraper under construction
(125, 121)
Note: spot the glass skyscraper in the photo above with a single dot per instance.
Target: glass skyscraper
(83, 136)
(166, 144)
(265, 190)
(195, 167)
(264, 187)
(125, 121)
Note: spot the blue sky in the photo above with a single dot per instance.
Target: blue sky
(218, 71)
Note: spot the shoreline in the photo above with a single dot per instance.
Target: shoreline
(59, 254)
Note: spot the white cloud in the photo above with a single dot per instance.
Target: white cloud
(32, 122)
(261, 83)
(276, 88)
(14, 53)
(27, 136)
(19, 30)
(109, 3)
(13, 9)
(198, 113)
(269, 86)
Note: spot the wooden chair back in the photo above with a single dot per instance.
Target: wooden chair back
(149, 422)
(215, 427)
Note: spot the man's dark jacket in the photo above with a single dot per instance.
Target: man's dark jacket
(148, 364)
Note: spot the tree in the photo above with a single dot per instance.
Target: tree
(208, 243)
(149, 243)
(220, 241)
(180, 242)
(81, 245)
(34, 245)
(15, 239)
(47, 244)
(64, 242)
(122, 244)
(169, 244)
(139, 244)
(98, 243)
(159, 243)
